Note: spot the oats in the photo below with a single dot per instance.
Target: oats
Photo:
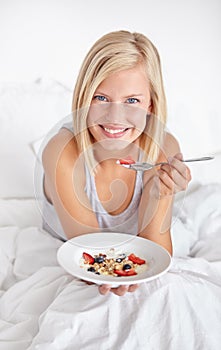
(115, 262)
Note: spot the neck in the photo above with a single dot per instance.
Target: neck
(102, 154)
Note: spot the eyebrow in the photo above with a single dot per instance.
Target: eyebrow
(134, 95)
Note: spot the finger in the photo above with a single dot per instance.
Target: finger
(104, 289)
(180, 167)
(120, 290)
(179, 156)
(168, 173)
(87, 282)
(133, 287)
(173, 181)
(177, 164)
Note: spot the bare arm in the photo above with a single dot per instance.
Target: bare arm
(155, 216)
(155, 212)
(64, 185)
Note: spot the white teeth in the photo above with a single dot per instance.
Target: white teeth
(113, 131)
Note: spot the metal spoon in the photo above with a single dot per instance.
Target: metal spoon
(139, 166)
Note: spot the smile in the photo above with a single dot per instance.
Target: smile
(114, 132)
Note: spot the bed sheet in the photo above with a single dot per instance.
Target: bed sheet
(43, 307)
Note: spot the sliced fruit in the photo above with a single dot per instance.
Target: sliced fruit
(88, 258)
(127, 161)
(130, 272)
(136, 260)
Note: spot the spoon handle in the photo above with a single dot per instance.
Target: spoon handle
(197, 159)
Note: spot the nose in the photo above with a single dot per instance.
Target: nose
(115, 113)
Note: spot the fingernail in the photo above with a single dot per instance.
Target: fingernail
(170, 159)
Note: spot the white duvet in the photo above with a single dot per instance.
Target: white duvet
(43, 307)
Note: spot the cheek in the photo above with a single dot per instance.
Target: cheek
(91, 118)
(93, 132)
(138, 119)
(96, 114)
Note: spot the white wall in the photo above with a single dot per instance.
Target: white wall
(49, 38)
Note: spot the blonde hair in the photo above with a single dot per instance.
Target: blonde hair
(114, 52)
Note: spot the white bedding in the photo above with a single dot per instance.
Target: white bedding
(43, 307)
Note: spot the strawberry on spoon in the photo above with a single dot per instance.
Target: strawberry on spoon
(126, 161)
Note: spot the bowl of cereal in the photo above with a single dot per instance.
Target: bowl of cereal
(113, 258)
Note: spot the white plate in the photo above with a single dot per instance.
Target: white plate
(70, 253)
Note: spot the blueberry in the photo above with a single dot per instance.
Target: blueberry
(99, 259)
(91, 269)
(126, 267)
(123, 256)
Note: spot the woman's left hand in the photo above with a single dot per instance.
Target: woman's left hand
(120, 291)
(174, 177)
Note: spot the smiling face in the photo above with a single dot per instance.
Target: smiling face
(119, 108)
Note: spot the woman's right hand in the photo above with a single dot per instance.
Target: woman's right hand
(120, 291)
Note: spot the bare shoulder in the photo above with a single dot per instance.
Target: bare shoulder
(64, 184)
(60, 148)
(58, 159)
(170, 146)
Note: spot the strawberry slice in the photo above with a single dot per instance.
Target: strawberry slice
(130, 272)
(127, 161)
(136, 260)
(88, 258)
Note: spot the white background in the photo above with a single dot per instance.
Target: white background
(49, 39)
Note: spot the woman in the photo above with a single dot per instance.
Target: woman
(119, 110)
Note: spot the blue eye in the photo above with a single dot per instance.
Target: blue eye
(132, 100)
(100, 98)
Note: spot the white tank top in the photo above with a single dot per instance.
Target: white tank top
(125, 222)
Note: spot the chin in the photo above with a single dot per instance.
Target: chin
(114, 145)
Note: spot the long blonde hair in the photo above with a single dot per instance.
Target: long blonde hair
(114, 52)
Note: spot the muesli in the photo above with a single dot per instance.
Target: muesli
(113, 264)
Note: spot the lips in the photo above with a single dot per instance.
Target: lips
(114, 131)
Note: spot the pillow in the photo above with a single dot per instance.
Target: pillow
(28, 111)
(20, 213)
